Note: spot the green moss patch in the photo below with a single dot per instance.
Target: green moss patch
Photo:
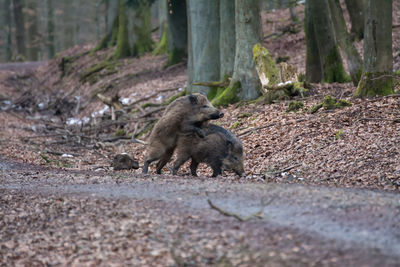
(330, 103)
(294, 106)
(229, 95)
(93, 73)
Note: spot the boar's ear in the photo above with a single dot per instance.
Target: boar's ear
(193, 99)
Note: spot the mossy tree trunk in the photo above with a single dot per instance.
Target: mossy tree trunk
(19, 22)
(377, 76)
(123, 49)
(142, 30)
(356, 11)
(313, 62)
(227, 38)
(162, 45)
(51, 51)
(203, 32)
(177, 31)
(331, 62)
(350, 53)
(112, 21)
(33, 36)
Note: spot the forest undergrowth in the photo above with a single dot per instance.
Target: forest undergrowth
(76, 112)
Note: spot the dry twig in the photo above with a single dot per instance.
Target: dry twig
(258, 214)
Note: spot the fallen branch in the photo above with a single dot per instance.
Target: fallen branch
(132, 105)
(250, 131)
(58, 153)
(282, 170)
(213, 84)
(258, 214)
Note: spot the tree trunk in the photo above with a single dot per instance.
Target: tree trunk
(203, 65)
(331, 62)
(122, 50)
(177, 31)
(20, 27)
(142, 30)
(8, 30)
(350, 53)
(33, 36)
(162, 45)
(313, 62)
(356, 12)
(245, 83)
(68, 25)
(50, 29)
(227, 38)
(377, 76)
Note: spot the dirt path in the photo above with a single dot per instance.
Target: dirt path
(21, 66)
(73, 217)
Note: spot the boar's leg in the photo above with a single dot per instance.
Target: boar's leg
(216, 167)
(146, 164)
(182, 158)
(154, 153)
(164, 160)
(190, 128)
(193, 167)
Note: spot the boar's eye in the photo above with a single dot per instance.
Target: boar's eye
(204, 106)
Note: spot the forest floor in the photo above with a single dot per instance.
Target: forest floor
(57, 143)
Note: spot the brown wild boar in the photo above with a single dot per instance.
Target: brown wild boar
(220, 149)
(183, 116)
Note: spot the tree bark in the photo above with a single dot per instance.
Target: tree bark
(142, 41)
(248, 34)
(162, 45)
(123, 49)
(20, 27)
(227, 38)
(203, 52)
(356, 12)
(33, 36)
(377, 74)
(8, 30)
(177, 31)
(331, 62)
(350, 53)
(68, 25)
(314, 68)
(50, 29)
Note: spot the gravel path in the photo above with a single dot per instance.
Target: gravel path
(52, 216)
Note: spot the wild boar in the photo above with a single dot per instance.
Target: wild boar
(220, 149)
(183, 116)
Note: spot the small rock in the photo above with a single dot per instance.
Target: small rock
(124, 162)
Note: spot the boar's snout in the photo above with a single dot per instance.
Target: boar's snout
(216, 115)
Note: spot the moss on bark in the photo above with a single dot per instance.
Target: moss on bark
(375, 84)
(266, 67)
(110, 38)
(162, 45)
(122, 50)
(144, 43)
(333, 68)
(227, 96)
